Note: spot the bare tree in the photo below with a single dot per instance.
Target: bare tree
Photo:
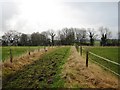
(24, 39)
(67, 36)
(12, 37)
(105, 34)
(105, 31)
(52, 34)
(47, 40)
(80, 35)
(45, 34)
(92, 36)
(62, 37)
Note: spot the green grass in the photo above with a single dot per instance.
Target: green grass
(107, 52)
(16, 51)
(110, 53)
(43, 73)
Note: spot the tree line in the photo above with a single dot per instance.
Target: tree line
(65, 36)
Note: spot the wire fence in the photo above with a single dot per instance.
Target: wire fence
(16, 51)
(106, 63)
(102, 61)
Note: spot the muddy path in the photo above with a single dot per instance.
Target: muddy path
(42, 73)
(8, 69)
(76, 74)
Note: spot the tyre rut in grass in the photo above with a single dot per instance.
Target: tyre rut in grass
(42, 73)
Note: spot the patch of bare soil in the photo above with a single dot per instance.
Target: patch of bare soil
(76, 74)
(19, 62)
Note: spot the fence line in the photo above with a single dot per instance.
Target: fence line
(104, 58)
(11, 56)
(107, 68)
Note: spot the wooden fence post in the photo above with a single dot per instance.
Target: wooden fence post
(87, 58)
(29, 50)
(45, 49)
(38, 49)
(11, 57)
(81, 50)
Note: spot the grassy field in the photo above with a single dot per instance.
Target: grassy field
(107, 52)
(43, 73)
(16, 50)
(110, 53)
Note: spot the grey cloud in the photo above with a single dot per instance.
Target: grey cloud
(9, 10)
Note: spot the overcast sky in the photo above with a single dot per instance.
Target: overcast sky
(30, 16)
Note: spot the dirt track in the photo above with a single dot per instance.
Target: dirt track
(19, 62)
(76, 74)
